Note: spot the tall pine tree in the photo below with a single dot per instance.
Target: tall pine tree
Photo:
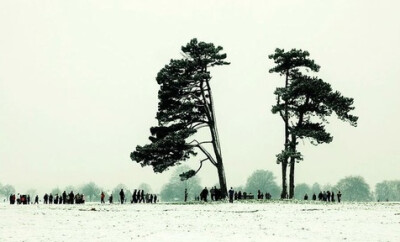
(304, 104)
(185, 106)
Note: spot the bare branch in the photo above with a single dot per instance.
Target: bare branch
(201, 164)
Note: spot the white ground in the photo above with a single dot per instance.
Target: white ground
(273, 221)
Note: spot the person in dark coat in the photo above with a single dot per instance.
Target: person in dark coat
(102, 196)
(231, 194)
(155, 198)
(71, 197)
(186, 195)
(134, 196)
(204, 194)
(142, 196)
(64, 197)
(122, 196)
(110, 199)
(314, 197)
(212, 192)
(332, 197)
(320, 196)
(328, 196)
(339, 196)
(306, 197)
(37, 199)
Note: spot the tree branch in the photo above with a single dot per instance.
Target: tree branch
(201, 164)
(205, 152)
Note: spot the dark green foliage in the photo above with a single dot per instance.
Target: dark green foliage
(188, 174)
(310, 101)
(304, 104)
(291, 61)
(354, 188)
(185, 106)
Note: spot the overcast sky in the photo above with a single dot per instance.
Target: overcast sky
(78, 89)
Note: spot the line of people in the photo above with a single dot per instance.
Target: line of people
(138, 196)
(64, 198)
(216, 195)
(21, 199)
(326, 196)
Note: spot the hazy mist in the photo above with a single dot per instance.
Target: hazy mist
(78, 89)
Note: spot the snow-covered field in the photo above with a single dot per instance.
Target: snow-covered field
(270, 221)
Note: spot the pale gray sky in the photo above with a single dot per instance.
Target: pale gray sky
(78, 89)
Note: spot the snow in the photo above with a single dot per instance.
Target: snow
(253, 221)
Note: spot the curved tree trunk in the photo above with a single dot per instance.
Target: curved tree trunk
(215, 141)
(219, 164)
(222, 179)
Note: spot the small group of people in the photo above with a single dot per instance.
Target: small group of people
(64, 198)
(216, 195)
(260, 195)
(20, 199)
(233, 195)
(138, 196)
(326, 196)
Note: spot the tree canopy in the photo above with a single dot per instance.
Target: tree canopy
(388, 190)
(91, 191)
(264, 181)
(301, 189)
(7, 190)
(304, 104)
(185, 106)
(354, 188)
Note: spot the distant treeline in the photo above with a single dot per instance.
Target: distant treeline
(353, 188)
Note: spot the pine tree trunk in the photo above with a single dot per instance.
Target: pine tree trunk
(222, 179)
(215, 141)
(285, 162)
(292, 166)
(291, 178)
(284, 183)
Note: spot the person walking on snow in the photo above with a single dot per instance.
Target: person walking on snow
(122, 196)
(231, 193)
